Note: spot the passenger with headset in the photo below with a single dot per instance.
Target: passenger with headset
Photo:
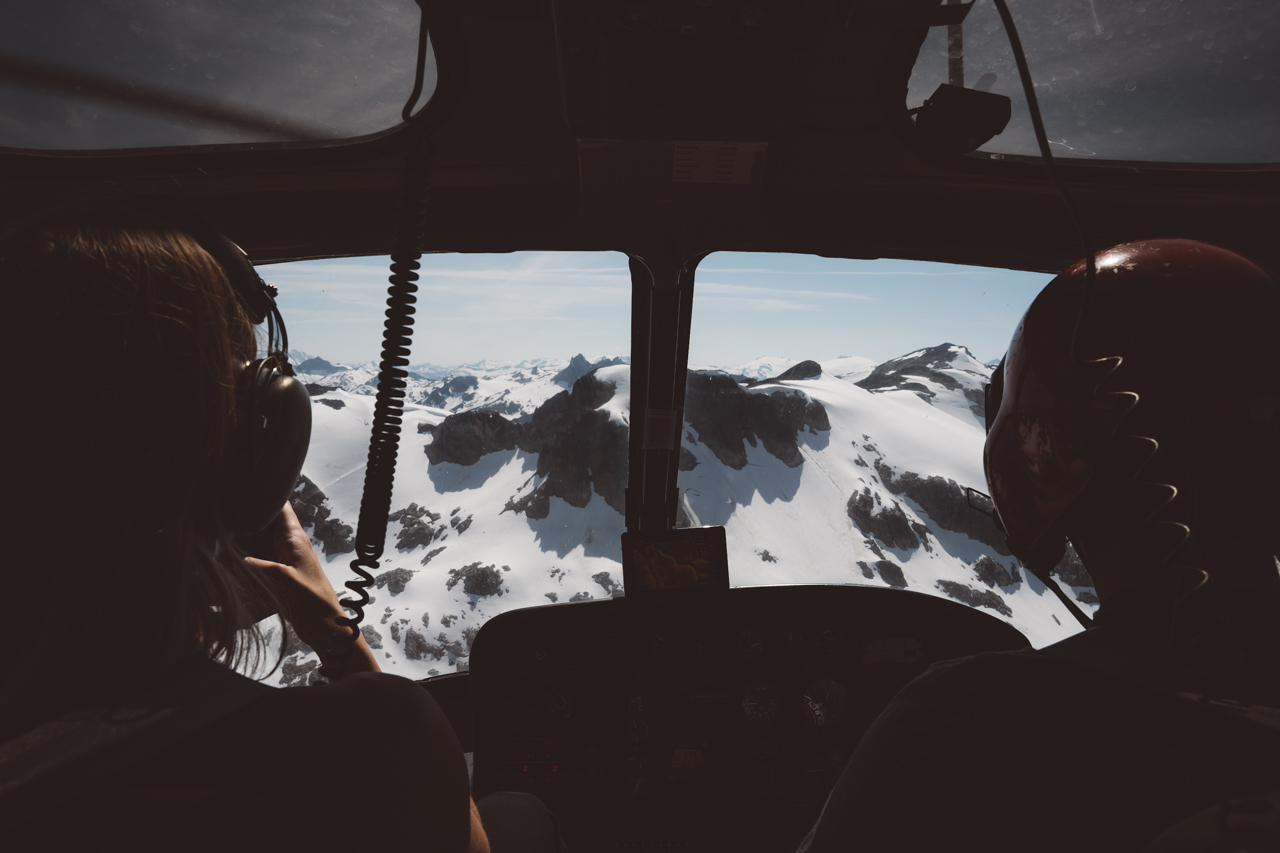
(1137, 414)
(148, 436)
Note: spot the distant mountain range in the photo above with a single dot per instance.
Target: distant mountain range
(510, 483)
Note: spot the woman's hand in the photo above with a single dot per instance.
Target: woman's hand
(311, 605)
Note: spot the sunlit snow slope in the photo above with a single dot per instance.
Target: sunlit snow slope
(508, 491)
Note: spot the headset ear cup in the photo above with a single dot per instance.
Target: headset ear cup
(268, 450)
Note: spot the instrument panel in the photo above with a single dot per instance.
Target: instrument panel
(700, 722)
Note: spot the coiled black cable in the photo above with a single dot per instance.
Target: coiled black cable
(388, 409)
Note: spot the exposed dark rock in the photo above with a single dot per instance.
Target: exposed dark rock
(993, 574)
(451, 647)
(318, 366)
(923, 532)
(455, 386)
(815, 416)
(371, 636)
(463, 438)
(765, 556)
(476, 579)
(579, 367)
(975, 597)
(726, 418)
(394, 580)
(386, 614)
(460, 524)
(860, 462)
(927, 364)
(888, 523)
(315, 390)
(469, 637)
(426, 620)
(551, 595)
(891, 573)
(1087, 597)
(294, 674)
(416, 646)
(310, 505)
(687, 460)
(579, 449)
(293, 644)
(396, 628)
(947, 505)
(581, 596)
(424, 427)
(432, 553)
(1072, 571)
(417, 526)
(448, 621)
(803, 370)
(866, 570)
(611, 586)
(333, 404)
(502, 406)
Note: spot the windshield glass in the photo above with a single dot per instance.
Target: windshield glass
(859, 427)
(71, 73)
(1155, 80)
(513, 456)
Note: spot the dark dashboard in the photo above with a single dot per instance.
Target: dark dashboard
(694, 723)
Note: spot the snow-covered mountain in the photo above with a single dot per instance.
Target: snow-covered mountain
(509, 490)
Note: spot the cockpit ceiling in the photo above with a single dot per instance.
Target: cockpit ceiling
(587, 124)
(1185, 81)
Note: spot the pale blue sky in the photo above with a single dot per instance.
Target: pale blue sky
(746, 305)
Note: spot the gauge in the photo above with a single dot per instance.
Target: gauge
(750, 647)
(558, 704)
(636, 731)
(760, 703)
(637, 758)
(828, 640)
(709, 650)
(825, 703)
(635, 705)
(791, 644)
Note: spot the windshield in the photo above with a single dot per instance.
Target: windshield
(513, 456)
(1155, 80)
(314, 69)
(855, 428)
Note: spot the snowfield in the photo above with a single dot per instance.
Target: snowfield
(844, 472)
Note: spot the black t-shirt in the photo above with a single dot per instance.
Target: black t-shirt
(297, 768)
(1020, 751)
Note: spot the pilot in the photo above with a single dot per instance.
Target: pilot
(1136, 415)
(127, 602)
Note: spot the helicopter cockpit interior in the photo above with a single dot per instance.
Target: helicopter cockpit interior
(716, 715)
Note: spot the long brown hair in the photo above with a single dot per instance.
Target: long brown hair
(127, 340)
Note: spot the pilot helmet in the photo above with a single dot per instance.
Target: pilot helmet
(1116, 384)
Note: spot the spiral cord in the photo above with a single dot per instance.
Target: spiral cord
(388, 411)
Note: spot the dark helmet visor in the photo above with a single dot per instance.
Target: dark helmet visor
(1034, 457)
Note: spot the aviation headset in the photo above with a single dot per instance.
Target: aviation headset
(270, 440)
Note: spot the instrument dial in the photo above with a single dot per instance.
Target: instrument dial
(760, 705)
(750, 647)
(636, 731)
(825, 703)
